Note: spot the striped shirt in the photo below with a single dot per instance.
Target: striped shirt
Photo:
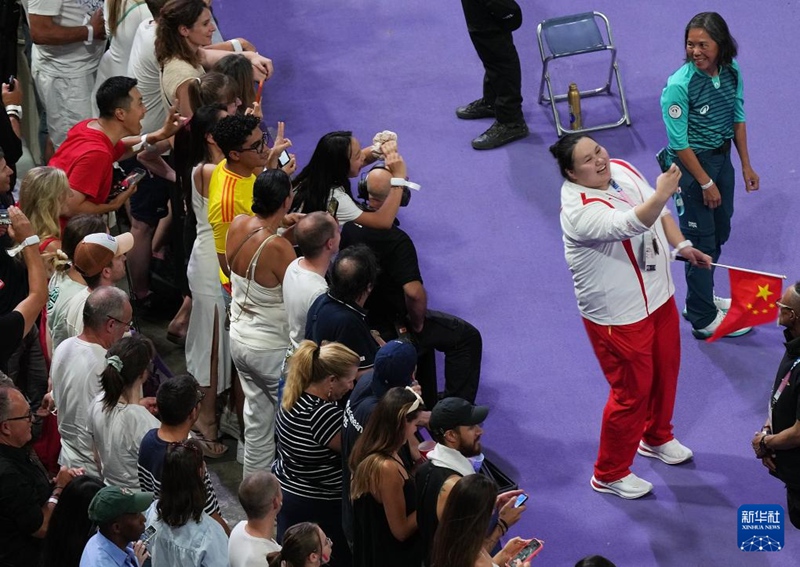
(228, 195)
(304, 464)
(699, 110)
(151, 464)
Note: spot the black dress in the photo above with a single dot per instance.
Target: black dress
(374, 545)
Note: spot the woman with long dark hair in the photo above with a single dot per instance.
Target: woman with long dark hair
(459, 540)
(185, 535)
(382, 490)
(304, 545)
(337, 158)
(308, 460)
(703, 111)
(70, 527)
(117, 420)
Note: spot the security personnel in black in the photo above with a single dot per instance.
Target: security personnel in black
(490, 24)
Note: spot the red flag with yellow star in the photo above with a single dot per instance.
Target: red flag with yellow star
(753, 297)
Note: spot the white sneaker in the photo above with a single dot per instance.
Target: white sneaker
(629, 487)
(706, 332)
(671, 452)
(722, 303)
(229, 424)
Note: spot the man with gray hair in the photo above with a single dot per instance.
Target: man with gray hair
(317, 235)
(251, 541)
(76, 368)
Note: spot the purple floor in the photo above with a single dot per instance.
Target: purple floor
(487, 231)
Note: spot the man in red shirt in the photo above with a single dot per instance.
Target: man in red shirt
(92, 146)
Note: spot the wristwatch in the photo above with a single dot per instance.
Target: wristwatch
(400, 182)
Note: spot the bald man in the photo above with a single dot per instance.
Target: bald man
(398, 305)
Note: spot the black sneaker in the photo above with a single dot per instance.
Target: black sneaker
(475, 109)
(500, 134)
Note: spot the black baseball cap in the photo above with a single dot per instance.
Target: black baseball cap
(450, 413)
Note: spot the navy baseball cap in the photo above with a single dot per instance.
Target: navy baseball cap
(394, 366)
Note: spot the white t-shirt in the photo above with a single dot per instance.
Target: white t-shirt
(71, 59)
(143, 66)
(300, 288)
(348, 209)
(117, 435)
(245, 550)
(62, 289)
(75, 372)
(73, 312)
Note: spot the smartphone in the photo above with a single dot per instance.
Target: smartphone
(333, 207)
(258, 92)
(10, 83)
(529, 551)
(4, 218)
(134, 177)
(147, 535)
(664, 159)
(521, 499)
(284, 158)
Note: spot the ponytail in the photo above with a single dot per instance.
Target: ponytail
(311, 364)
(126, 361)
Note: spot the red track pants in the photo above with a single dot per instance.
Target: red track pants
(641, 363)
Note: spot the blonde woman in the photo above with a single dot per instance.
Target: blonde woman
(41, 197)
(308, 462)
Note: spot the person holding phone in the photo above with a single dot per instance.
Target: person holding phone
(703, 111)
(616, 236)
(465, 521)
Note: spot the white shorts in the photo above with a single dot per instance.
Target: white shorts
(68, 100)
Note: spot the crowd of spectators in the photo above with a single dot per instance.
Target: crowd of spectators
(303, 315)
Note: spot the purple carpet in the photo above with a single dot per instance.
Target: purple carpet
(487, 231)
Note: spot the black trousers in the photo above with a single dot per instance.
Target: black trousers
(793, 506)
(502, 80)
(462, 346)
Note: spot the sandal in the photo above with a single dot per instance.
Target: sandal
(212, 448)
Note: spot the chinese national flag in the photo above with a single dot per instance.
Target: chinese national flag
(753, 297)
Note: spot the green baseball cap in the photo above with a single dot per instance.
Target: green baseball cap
(111, 502)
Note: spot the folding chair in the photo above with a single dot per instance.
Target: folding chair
(578, 34)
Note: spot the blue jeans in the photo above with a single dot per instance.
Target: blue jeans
(708, 229)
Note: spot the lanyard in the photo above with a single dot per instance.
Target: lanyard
(621, 194)
(782, 386)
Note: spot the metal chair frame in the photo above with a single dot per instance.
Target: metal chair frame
(554, 36)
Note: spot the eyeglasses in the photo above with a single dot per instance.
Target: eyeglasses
(329, 542)
(128, 326)
(30, 416)
(258, 147)
(200, 394)
(782, 306)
